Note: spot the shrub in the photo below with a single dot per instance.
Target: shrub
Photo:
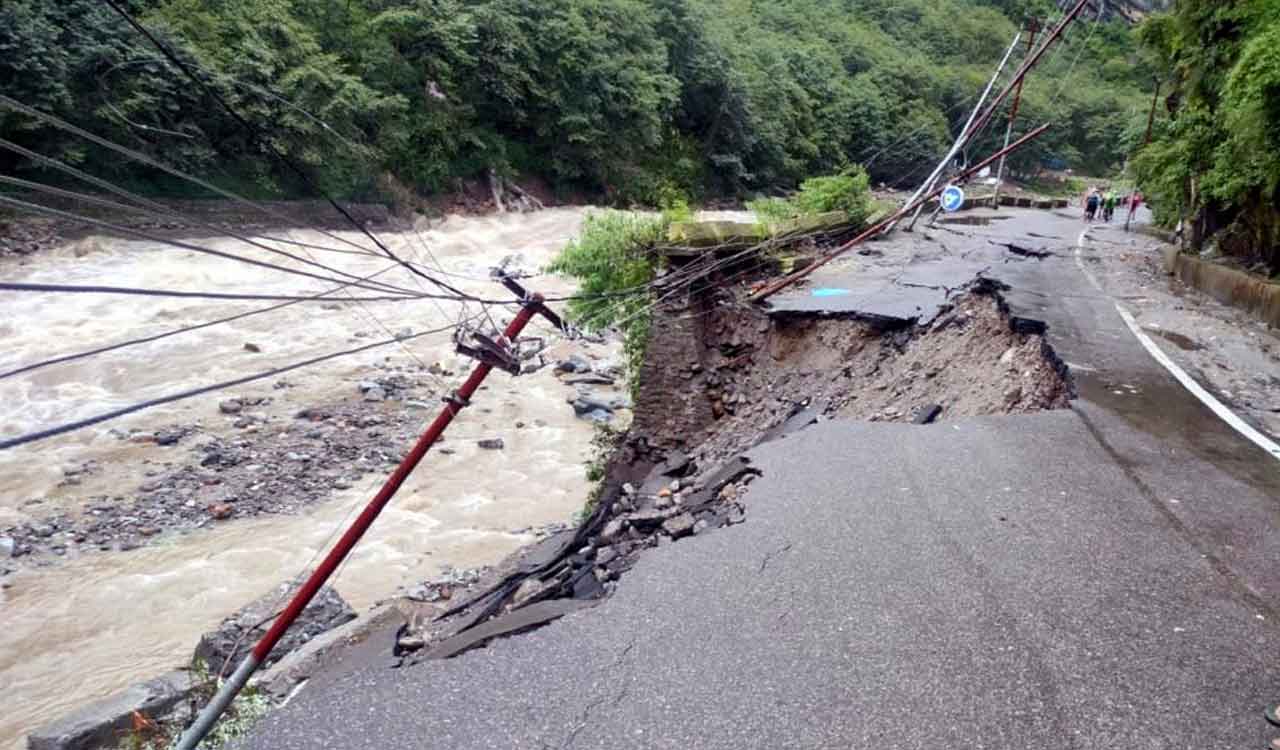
(613, 259)
(849, 191)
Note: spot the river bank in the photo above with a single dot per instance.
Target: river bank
(156, 567)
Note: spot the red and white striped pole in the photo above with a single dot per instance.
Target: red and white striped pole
(453, 405)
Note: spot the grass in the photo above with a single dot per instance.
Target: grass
(244, 712)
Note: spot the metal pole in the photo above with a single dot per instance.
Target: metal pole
(787, 281)
(963, 138)
(1032, 28)
(1146, 141)
(1029, 63)
(453, 405)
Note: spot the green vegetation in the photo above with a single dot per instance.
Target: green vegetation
(630, 101)
(245, 711)
(1214, 162)
(614, 254)
(849, 192)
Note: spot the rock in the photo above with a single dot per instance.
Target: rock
(1012, 395)
(430, 592)
(252, 348)
(220, 511)
(375, 394)
(701, 527)
(8, 547)
(729, 492)
(589, 379)
(612, 531)
(585, 403)
(651, 518)
(103, 722)
(148, 531)
(231, 406)
(44, 530)
(236, 636)
(628, 488)
(243, 422)
(1008, 355)
(679, 526)
(528, 591)
(492, 444)
(606, 555)
(172, 435)
(573, 363)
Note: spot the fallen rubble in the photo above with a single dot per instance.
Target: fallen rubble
(718, 379)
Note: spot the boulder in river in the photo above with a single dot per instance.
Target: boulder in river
(226, 645)
(573, 363)
(590, 405)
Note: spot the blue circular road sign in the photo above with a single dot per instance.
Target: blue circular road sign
(952, 199)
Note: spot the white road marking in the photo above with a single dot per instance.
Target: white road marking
(1188, 382)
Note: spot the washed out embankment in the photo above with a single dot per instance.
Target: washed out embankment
(720, 377)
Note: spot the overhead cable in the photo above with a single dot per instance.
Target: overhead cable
(63, 429)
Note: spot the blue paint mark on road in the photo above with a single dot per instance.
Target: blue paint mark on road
(830, 292)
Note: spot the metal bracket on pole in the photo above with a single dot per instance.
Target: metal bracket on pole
(491, 353)
(496, 354)
(532, 300)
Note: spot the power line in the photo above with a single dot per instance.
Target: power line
(104, 203)
(154, 206)
(13, 286)
(257, 139)
(142, 158)
(156, 337)
(62, 429)
(196, 248)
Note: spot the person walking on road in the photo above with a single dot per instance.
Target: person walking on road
(1135, 202)
(1091, 201)
(1109, 205)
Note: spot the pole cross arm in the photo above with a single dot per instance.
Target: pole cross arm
(533, 300)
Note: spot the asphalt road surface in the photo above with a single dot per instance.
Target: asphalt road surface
(1099, 577)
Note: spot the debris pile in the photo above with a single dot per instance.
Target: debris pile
(718, 380)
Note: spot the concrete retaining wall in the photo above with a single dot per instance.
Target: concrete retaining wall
(1227, 285)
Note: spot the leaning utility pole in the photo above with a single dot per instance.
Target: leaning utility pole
(490, 353)
(963, 137)
(884, 225)
(978, 125)
(1033, 26)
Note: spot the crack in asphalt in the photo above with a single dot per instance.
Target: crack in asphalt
(594, 705)
(765, 562)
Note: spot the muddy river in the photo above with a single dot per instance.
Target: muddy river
(81, 626)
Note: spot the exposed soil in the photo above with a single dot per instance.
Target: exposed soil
(720, 377)
(745, 373)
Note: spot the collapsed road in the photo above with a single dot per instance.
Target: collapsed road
(1091, 576)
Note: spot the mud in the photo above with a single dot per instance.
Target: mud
(717, 379)
(1232, 353)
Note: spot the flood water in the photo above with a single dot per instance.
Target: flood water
(91, 623)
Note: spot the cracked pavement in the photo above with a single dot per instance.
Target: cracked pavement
(1098, 577)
